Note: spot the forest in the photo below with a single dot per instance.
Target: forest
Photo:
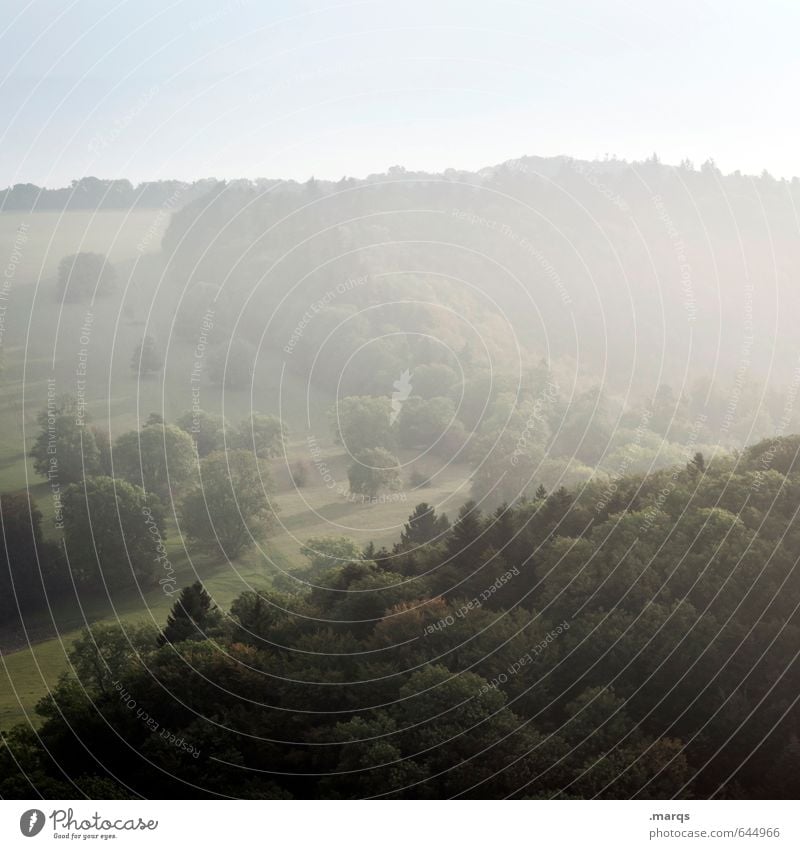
(578, 645)
(423, 485)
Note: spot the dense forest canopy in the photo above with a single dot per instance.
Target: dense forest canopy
(580, 645)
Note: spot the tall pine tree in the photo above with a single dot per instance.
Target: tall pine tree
(193, 615)
(423, 526)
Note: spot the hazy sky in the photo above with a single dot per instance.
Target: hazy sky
(149, 89)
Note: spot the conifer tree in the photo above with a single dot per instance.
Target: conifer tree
(192, 616)
(423, 526)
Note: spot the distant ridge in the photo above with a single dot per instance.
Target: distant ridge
(96, 193)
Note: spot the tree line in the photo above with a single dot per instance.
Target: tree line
(112, 500)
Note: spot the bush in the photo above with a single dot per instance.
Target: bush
(373, 471)
(299, 472)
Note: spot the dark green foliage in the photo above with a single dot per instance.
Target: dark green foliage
(780, 453)
(103, 443)
(363, 422)
(30, 567)
(192, 617)
(326, 552)
(422, 423)
(423, 526)
(264, 436)
(231, 506)
(697, 465)
(206, 429)
(65, 449)
(466, 534)
(113, 533)
(160, 458)
(372, 472)
(579, 650)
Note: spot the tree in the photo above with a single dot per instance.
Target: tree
(423, 526)
(232, 505)
(30, 567)
(66, 449)
(505, 467)
(781, 453)
(422, 423)
(373, 471)
(105, 651)
(84, 276)
(361, 422)
(465, 534)
(113, 532)
(697, 465)
(326, 552)
(192, 617)
(611, 594)
(263, 435)
(471, 721)
(501, 529)
(147, 358)
(103, 442)
(299, 473)
(258, 616)
(160, 458)
(206, 429)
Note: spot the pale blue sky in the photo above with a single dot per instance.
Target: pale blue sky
(148, 89)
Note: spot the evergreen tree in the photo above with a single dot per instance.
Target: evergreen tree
(502, 529)
(193, 615)
(465, 535)
(423, 526)
(697, 465)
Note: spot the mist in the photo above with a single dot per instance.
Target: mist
(401, 403)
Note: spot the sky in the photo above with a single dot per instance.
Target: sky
(149, 90)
